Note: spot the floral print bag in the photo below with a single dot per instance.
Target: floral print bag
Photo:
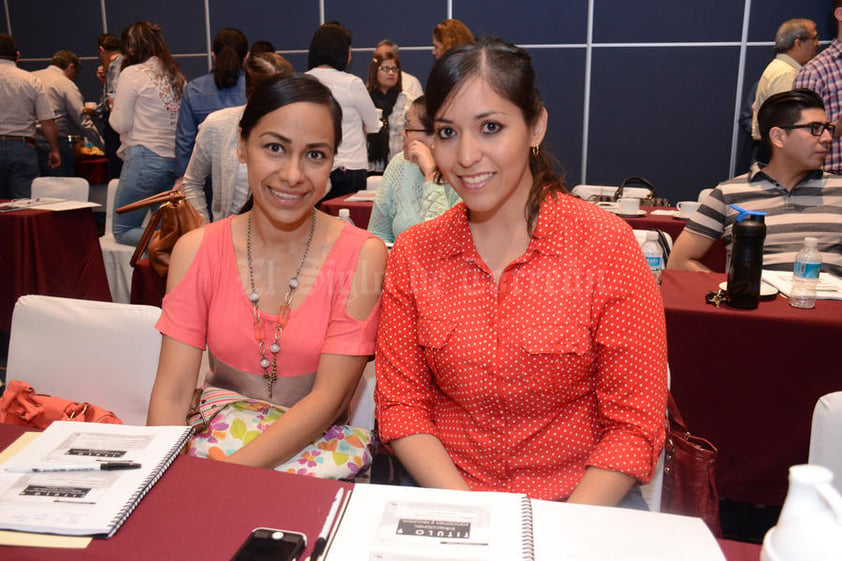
(224, 421)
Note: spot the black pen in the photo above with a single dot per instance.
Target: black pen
(45, 468)
(321, 542)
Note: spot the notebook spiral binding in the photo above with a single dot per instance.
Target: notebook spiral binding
(528, 547)
(150, 481)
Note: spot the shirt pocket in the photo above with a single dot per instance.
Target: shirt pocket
(561, 355)
(448, 363)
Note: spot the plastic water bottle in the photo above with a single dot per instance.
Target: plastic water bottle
(653, 254)
(345, 216)
(805, 275)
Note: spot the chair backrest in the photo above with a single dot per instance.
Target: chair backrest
(372, 182)
(826, 435)
(361, 410)
(110, 193)
(100, 352)
(70, 188)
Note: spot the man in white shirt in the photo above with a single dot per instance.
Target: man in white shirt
(68, 106)
(23, 102)
(796, 42)
(409, 83)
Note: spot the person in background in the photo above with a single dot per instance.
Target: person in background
(449, 34)
(796, 42)
(215, 153)
(23, 102)
(111, 57)
(409, 193)
(144, 115)
(59, 80)
(384, 86)
(261, 46)
(522, 345)
(315, 328)
(328, 57)
(822, 75)
(224, 87)
(409, 83)
(799, 198)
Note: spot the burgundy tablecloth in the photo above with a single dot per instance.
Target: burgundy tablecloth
(360, 211)
(201, 510)
(51, 253)
(748, 380)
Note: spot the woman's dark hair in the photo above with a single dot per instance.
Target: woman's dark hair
(373, 83)
(230, 47)
(262, 46)
(142, 40)
(262, 66)
(286, 89)
(330, 45)
(508, 70)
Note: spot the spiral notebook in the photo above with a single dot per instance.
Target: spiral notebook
(85, 500)
(391, 523)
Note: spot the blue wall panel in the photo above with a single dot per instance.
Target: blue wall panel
(664, 114)
(527, 21)
(42, 28)
(287, 24)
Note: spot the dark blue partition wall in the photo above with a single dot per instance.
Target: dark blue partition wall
(650, 87)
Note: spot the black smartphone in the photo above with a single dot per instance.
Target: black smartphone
(271, 544)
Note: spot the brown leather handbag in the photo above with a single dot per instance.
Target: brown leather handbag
(20, 405)
(689, 486)
(176, 217)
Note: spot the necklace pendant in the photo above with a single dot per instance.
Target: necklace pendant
(254, 297)
(293, 283)
(264, 363)
(275, 348)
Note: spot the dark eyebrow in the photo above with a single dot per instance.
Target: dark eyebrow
(476, 117)
(284, 140)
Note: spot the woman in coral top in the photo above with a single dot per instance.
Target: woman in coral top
(286, 298)
(522, 343)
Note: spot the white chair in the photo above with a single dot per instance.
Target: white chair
(70, 188)
(100, 352)
(653, 490)
(703, 194)
(361, 410)
(116, 255)
(372, 182)
(826, 436)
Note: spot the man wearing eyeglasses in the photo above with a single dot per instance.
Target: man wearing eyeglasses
(799, 198)
(796, 42)
(823, 75)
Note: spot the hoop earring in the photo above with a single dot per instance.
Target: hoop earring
(535, 150)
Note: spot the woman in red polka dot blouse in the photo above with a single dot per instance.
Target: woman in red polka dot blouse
(522, 344)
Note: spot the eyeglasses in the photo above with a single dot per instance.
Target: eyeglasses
(816, 129)
(389, 69)
(810, 38)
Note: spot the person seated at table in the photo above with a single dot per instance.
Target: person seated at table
(285, 297)
(384, 87)
(215, 153)
(522, 344)
(409, 193)
(800, 199)
(144, 114)
(449, 34)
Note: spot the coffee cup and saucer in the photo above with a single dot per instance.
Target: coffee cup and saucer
(686, 209)
(629, 206)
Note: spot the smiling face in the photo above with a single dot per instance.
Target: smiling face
(482, 145)
(289, 154)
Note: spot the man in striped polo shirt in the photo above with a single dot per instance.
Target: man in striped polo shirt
(799, 198)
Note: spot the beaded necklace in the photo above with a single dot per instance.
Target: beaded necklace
(283, 311)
